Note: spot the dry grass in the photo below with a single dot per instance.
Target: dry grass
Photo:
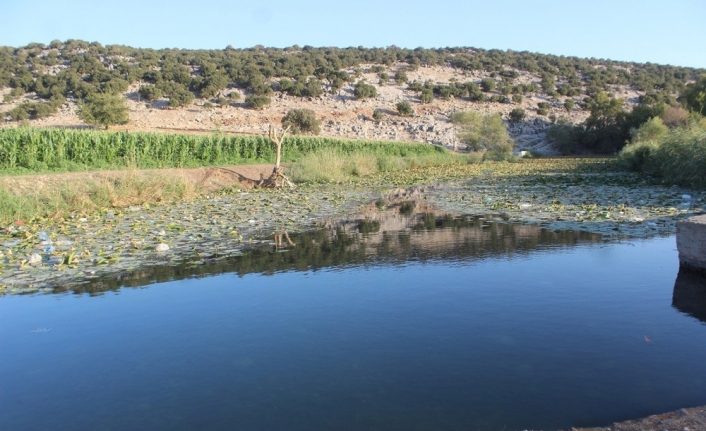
(31, 198)
(332, 166)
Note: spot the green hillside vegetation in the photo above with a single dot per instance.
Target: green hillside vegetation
(80, 69)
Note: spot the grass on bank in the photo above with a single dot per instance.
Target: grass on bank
(88, 195)
(22, 199)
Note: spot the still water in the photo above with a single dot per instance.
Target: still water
(446, 324)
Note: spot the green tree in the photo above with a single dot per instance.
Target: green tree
(256, 101)
(517, 115)
(405, 109)
(569, 105)
(302, 121)
(487, 84)
(150, 92)
(362, 90)
(652, 130)
(427, 95)
(694, 96)
(484, 133)
(542, 108)
(401, 77)
(605, 111)
(103, 110)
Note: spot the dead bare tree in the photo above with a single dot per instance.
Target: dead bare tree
(277, 177)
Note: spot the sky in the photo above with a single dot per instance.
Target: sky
(664, 32)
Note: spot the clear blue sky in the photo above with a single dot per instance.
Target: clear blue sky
(665, 32)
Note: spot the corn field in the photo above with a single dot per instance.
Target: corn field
(45, 150)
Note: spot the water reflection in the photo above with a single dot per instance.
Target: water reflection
(689, 294)
(391, 236)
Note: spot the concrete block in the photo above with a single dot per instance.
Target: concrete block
(691, 243)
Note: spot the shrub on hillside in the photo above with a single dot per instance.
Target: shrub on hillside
(427, 95)
(487, 84)
(405, 109)
(256, 101)
(302, 121)
(569, 105)
(517, 115)
(542, 108)
(150, 92)
(103, 110)
(362, 90)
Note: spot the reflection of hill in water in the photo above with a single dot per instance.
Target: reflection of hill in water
(689, 294)
(419, 237)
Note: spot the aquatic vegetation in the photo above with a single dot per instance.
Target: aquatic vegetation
(590, 195)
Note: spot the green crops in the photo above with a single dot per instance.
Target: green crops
(46, 150)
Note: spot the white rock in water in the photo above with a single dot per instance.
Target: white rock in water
(162, 248)
(35, 259)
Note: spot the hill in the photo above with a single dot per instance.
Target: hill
(207, 90)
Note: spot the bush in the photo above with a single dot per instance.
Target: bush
(377, 115)
(565, 137)
(405, 109)
(569, 105)
(517, 115)
(150, 92)
(103, 110)
(401, 77)
(487, 84)
(517, 98)
(255, 101)
(694, 96)
(542, 108)
(362, 90)
(302, 121)
(427, 95)
(19, 113)
(484, 133)
(652, 130)
(234, 95)
(674, 116)
(678, 156)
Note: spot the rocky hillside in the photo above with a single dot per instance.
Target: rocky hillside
(180, 90)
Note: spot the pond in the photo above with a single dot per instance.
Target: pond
(423, 321)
